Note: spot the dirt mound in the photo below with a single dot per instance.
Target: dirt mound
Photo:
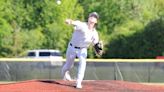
(88, 86)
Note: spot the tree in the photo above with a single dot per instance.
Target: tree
(35, 24)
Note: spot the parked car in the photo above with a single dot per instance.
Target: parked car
(45, 54)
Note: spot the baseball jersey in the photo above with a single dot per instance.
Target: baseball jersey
(83, 36)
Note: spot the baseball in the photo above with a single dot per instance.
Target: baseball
(58, 2)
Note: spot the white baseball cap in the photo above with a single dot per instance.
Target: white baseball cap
(94, 14)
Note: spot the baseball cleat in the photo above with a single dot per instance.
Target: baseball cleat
(67, 76)
(78, 85)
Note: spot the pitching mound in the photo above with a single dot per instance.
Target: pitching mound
(88, 86)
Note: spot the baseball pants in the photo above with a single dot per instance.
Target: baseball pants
(71, 54)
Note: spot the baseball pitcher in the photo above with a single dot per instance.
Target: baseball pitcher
(84, 34)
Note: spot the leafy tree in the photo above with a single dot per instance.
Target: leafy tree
(124, 26)
(34, 24)
(127, 40)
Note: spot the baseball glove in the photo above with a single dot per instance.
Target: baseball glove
(98, 47)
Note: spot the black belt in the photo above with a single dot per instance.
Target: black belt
(75, 46)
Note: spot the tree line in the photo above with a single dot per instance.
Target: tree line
(128, 28)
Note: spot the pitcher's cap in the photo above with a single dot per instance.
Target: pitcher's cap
(94, 14)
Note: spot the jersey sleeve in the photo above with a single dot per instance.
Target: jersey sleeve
(78, 25)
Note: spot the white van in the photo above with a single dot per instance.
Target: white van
(45, 53)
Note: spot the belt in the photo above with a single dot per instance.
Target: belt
(75, 46)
